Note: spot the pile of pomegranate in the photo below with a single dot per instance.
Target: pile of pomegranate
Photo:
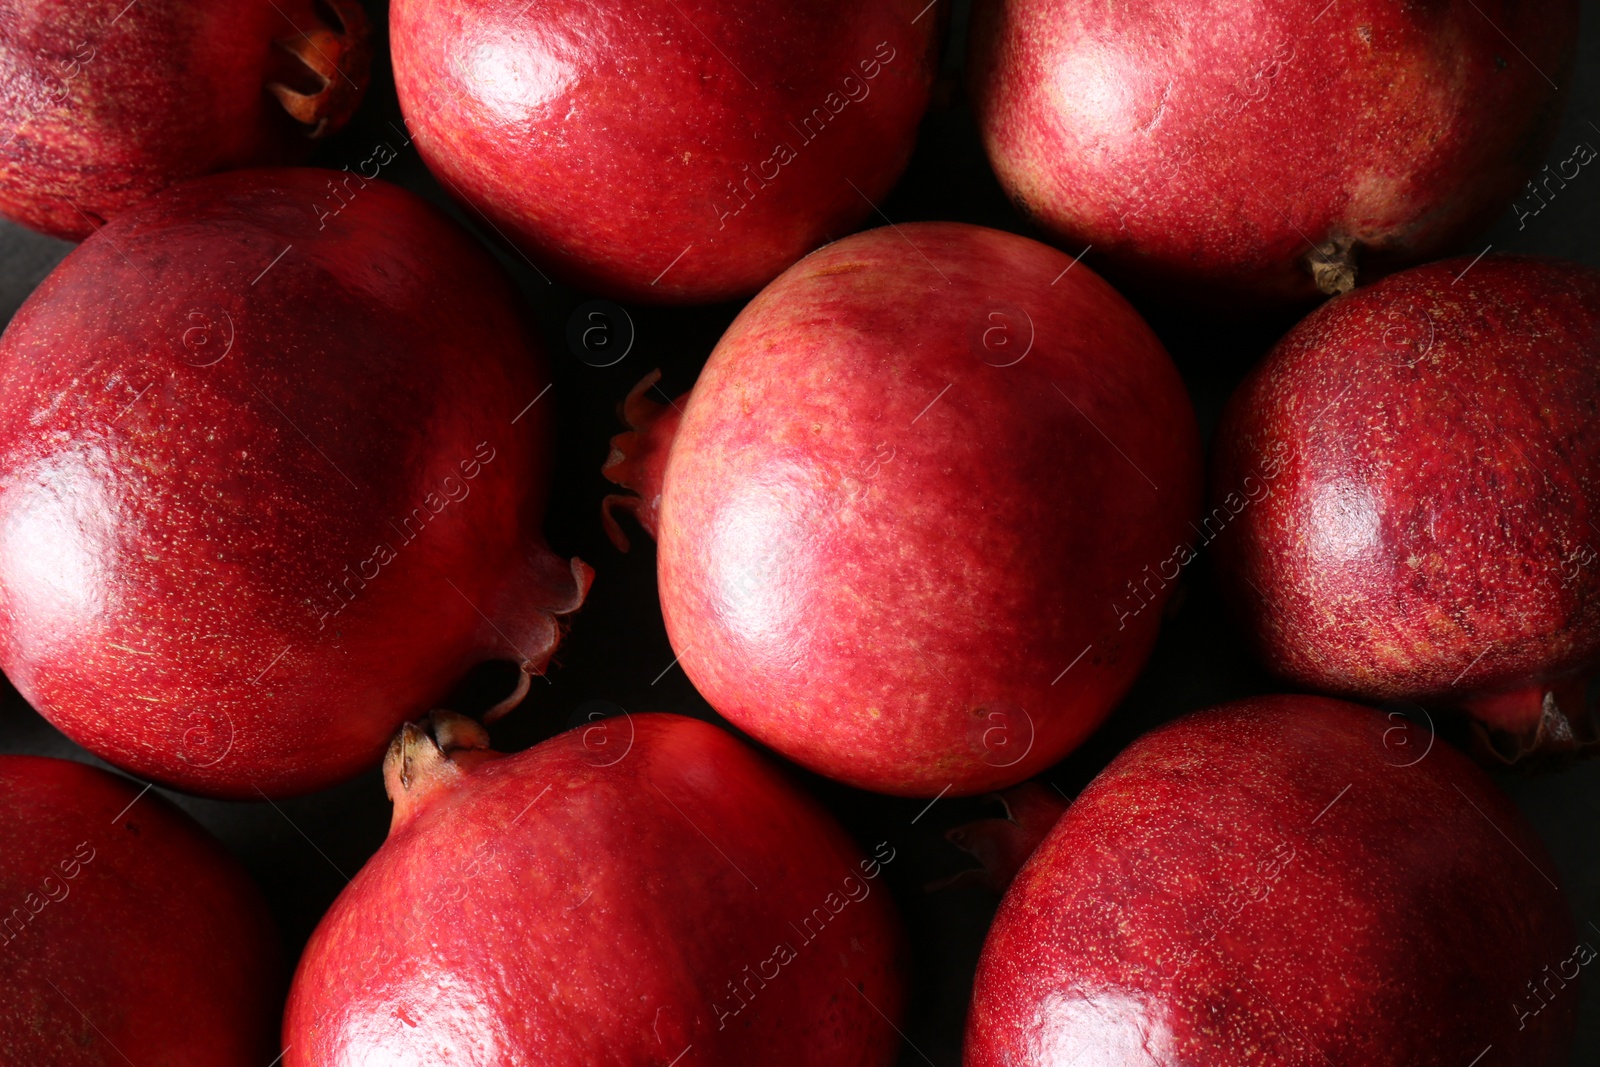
(977, 590)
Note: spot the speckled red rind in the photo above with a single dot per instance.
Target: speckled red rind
(907, 497)
(1208, 147)
(127, 935)
(1431, 532)
(103, 102)
(239, 567)
(1281, 882)
(590, 900)
(672, 151)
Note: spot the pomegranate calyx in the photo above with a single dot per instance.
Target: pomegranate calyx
(1333, 264)
(638, 459)
(326, 68)
(1001, 846)
(522, 622)
(430, 755)
(1537, 726)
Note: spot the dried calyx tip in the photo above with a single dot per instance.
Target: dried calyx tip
(426, 751)
(1333, 265)
(1564, 727)
(326, 67)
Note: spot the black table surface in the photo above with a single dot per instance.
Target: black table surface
(302, 851)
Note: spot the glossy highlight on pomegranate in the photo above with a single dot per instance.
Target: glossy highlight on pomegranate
(127, 935)
(1283, 881)
(1267, 151)
(103, 102)
(644, 889)
(271, 482)
(1431, 532)
(670, 151)
(910, 518)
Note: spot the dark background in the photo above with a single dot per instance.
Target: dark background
(303, 851)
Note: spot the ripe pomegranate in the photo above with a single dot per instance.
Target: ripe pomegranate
(671, 151)
(1412, 483)
(912, 518)
(1284, 881)
(127, 935)
(270, 482)
(103, 102)
(1263, 150)
(642, 890)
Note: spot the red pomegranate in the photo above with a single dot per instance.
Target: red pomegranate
(1263, 150)
(103, 102)
(917, 520)
(1408, 493)
(127, 935)
(270, 482)
(674, 151)
(1284, 881)
(642, 890)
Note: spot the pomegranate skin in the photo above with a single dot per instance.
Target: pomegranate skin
(128, 935)
(667, 151)
(1168, 919)
(269, 482)
(103, 102)
(1429, 534)
(621, 894)
(1265, 151)
(909, 500)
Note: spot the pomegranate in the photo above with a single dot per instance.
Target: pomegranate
(127, 935)
(1261, 151)
(1412, 483)
(912, 516)
(641, 890)
(270, 482)
(1284, 881)
(671, 151)
(103, 102)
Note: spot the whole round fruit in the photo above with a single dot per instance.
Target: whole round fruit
(1282, 881)
(1413, 497)
(1261, 151)
(917, 520)
(270, 482)
(103, 102)
(128, 934)
(666, 150)
(622, 893)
